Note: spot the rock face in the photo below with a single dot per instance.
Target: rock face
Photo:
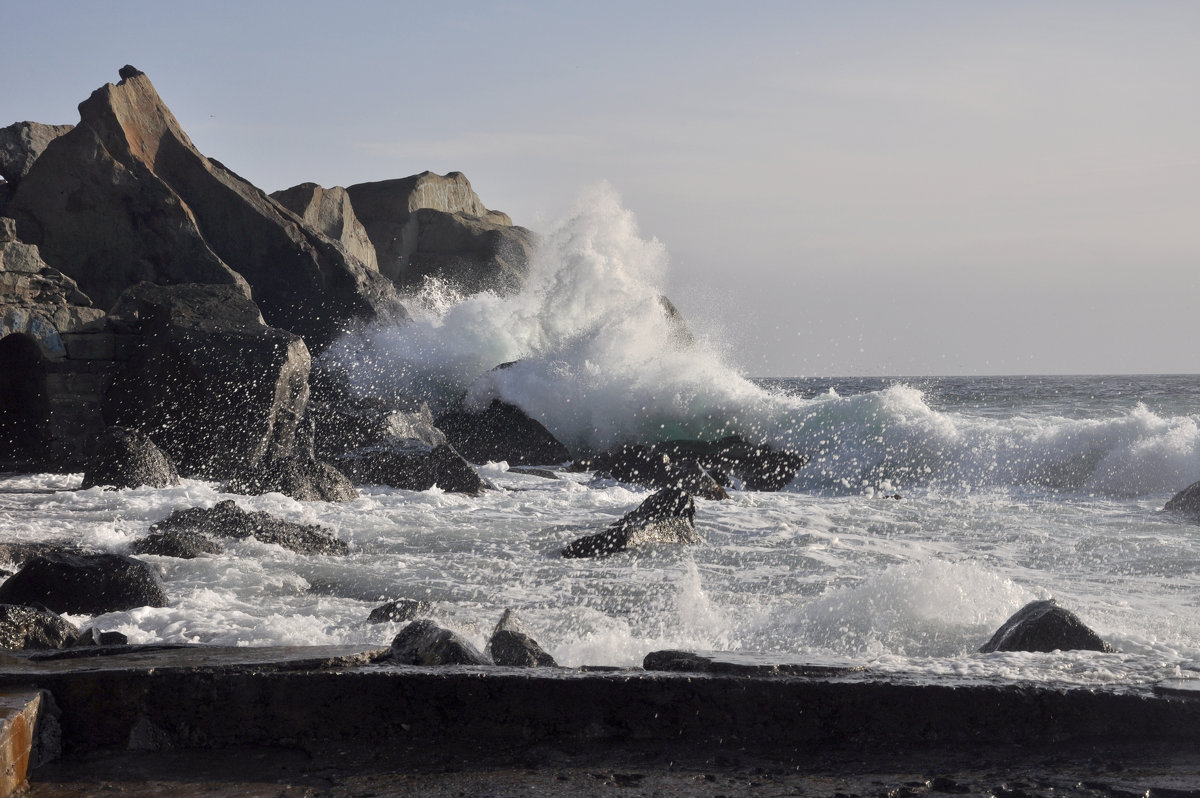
(511, 645)
(85, 584)
(1044, 626)
(226, 519)
(414, 468)
(501, 432)
(1186, 502)
(423, 642)
(668, 516)
(33, 628)
(126, 458)
(217, 389)
(432, 225)
(20, 145)
(328, 211)
(126, 197)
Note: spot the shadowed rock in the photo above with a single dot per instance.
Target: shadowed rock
(34, 628)
(412, 468)
(328, 211)
(349, 423)
(511, 645)
(649, 467)
(1186, 502)
(399, 610)
(226, 519)
(501, 432)
(1044, 626)
(734, 458)
(186, 544)
(85, 584)
(666, 517)
(423, 642)
(126, 458)
(20, 145)
(300, 476)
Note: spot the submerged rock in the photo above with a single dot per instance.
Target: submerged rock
(85, 584)
(423, 642)
(34, 628)
(1044, 626)
(127, 458)
(511, 645)
(408, 468)
(501, 432)
(666, 517)
(226, 519)
(399, 610)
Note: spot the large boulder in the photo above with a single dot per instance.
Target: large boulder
(85, 584)
(423, 642)
(668, 516)
(511, 645)
(734, 459)
(328, 211)
(501, 432)
(126, 197)
(184, 543)
(226, 519)
(430, 225)
(412, 468)
(1186, 502)
(1044, 626)
(126, 458)
(34, 628)
(20, 145)
(647, 466)
(215, 387)
(298, 475)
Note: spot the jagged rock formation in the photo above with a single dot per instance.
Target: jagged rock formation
(430, 225)
(34, 628)
(328, 211)
(668, 516)
(125, 197)
(20, 145)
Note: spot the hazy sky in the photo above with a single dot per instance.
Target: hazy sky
(844, 188)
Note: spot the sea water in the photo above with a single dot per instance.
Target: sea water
(1010, 489)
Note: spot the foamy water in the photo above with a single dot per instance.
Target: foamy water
(1013, 489)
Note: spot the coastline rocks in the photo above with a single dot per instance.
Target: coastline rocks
(328, 211)
(399, 610)
(185, 544)
(431, 225)
(84, 584)
(1186, 502)
(423, 642)
(20, 145)
(412, 468)
(125, 196)
(511, 645)
(348, 424)
(668, 516)
(734, 458)
(34, 628)
(302, 477)
(1044, 626)
(226, 519)
(501, 432)
(649, 467)
(217, 389)
(126, 458)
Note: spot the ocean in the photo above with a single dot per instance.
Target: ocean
(1011, 489)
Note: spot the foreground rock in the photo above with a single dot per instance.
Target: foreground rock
(226, 519)
(511, 645)
(126, 458)
(649, 467)
(125, 196)
(501, 432)
(666, 517)
(34, 628)
(412, 468)
(1044, 626)
(423, 642)
(1186, 502)
(85, 584)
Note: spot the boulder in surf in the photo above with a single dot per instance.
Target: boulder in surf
(668, 516)
(1044, 626)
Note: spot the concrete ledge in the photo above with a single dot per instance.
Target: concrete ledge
(19, 710)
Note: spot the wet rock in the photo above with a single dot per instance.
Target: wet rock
(350, 423)
(301, 477)
(734, 458)
(1044, 626)
(501, 432)
(649, 467)
(34, 628)
(186, 544)
(127, 458)
(1186, 502)
(94, 637)
(226, 519)
(666, 517)
(20, 145)
(531, 471)
(409, 468)
(399, 610)
(511, 645)
(423, 642)
(85, 584)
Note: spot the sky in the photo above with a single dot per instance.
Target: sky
(851, 188)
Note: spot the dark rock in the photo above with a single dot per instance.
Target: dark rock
(734, 458)
(418, 468)
(501, 432)
(1186, 502)
(666, 517)
(85, 584)
(1044, 626)
(219, 391)
(303, 478)
(544, 473)
(127, 458)
(226, 519)
(652, 468)
(511, 645)
(125, 197)
(681, 334)
(399, 610)
(33, 628)
(183, 543)
(431, 225)
(94, 637)
(351, 423)
(423, 642)
(20, 145)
